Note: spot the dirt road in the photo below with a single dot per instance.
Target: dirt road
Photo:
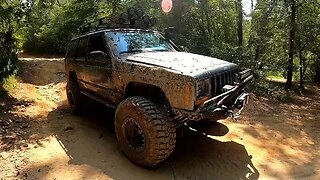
(41, 139)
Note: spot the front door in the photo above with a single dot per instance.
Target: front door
(99, 67)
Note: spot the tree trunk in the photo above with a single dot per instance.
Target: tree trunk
(291, 42)
(203, 28)
(317, 69)
(240, 22)
(301, 70)
(252, 6)
(317, 73)
(206, 11)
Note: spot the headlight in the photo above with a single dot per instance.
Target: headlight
(203, 88)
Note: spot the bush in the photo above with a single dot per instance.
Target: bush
(10, 83)
(262, 86)
(8, 56)
(12, 17)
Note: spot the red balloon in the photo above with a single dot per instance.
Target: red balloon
(166, 6)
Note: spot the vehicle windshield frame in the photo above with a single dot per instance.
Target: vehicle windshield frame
(120, 51)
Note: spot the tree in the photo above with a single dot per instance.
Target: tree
(53, 25)
(279, 37)
(12, 17)
(291, 43)
(307, 36)
(240, 22)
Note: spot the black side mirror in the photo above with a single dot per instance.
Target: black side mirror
(169, 32)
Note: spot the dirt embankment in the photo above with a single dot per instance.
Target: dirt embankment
(41, 139)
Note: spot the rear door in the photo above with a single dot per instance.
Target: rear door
(99, 67)
(71, 55)
(81, 61)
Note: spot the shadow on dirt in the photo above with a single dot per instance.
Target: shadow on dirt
(90, 140)
(198, 156)
(14, 129)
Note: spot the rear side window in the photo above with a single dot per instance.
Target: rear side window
(82, 47)
(72, 49)
(96, 43)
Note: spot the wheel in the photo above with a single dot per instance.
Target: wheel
(146, 135)
(75, 98)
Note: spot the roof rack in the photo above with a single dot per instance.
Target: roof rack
(133, 17)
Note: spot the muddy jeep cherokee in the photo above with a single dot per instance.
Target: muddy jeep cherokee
(153, 87)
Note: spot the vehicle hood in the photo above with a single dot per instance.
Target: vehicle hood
(182, 62)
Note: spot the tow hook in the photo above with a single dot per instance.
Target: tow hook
(235, 115)
(241, 102)
(232, 115)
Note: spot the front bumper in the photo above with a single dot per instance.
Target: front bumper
(234, 109)
(229, 103)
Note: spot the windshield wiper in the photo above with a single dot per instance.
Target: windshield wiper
(161, 50)
(144, 50)
(132, 51)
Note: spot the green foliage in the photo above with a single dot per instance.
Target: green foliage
(10, 83)
(272, 87)
(268, 44)
(8, 57)
(207, 27)
(51, 29)
(13, 15)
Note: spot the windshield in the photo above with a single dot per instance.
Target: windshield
(137, 41)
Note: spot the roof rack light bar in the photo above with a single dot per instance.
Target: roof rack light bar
(133, 17)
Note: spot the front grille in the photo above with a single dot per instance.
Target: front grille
(222, 79)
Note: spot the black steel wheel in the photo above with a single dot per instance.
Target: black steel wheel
(133, 134)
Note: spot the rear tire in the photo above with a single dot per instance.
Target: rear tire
(145, 133)
(75, 98)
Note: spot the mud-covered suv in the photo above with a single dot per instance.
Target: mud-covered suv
(153, 86)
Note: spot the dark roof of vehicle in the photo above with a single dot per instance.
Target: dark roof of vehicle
(111, 30)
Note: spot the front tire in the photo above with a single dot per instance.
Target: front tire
(146, 134)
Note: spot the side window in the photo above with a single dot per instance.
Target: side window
(82, 47)
(96, 43)
(72, 49)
